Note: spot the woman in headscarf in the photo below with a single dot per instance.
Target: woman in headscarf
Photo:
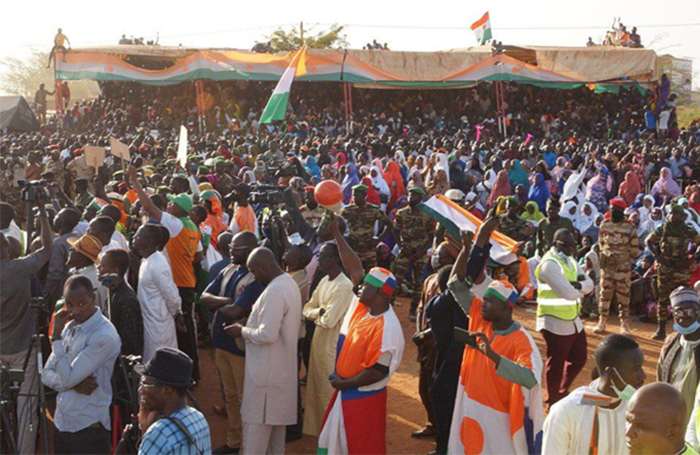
(532, 212)
(400, 158)
(457, 177)
(444, 164)
(438, 184)
(598, 188)
(586, 217)
(380, 185)
(665, 186)
(312, 167)
(340, 161)
(372, 195)
(501, 187)
(539, 193)
(552, 186)
(521, 193)
(214, 223)
(517, 175)
(630, 188)
(393, 178)
(645, 208)
(415, 179)
(568, 210)
(327, 172)
(351, 179)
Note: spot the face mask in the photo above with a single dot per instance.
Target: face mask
(435, 261)
(686, 330)
(627, 392)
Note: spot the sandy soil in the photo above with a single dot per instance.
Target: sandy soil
(406, 412)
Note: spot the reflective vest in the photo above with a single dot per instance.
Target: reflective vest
(548, 302)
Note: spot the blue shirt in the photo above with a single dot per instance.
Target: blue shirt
(650, 120)
(245, 300)
(87, 349)
(164, 437)
(215, 269)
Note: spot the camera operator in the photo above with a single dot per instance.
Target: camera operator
(243, 214)
(85, 347)
(17, 324)
(125, 310)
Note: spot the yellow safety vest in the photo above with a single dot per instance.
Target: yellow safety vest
(548, 302)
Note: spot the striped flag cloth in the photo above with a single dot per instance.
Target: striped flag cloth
(482, 29)
(276, 106)
(456, 218)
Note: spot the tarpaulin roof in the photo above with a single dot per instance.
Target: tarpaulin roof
(384, 68)
(16, 115)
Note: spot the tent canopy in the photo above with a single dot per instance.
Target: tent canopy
(16, 115)
(551, 65)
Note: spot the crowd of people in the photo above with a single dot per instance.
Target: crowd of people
(149, 259)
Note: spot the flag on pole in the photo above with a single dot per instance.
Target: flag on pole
(277, 104)
(456, 218)
(182, 148)
(482, 29)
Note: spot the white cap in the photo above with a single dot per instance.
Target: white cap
(454, 195)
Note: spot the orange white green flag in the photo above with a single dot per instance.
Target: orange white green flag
(482, 29)
(276, 106)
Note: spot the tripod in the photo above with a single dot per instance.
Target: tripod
(35, 345)
(7, 434)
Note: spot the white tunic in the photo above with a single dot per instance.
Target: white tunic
(160, 302)
(271, 335)
(569, 425)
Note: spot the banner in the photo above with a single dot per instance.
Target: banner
(182, 148)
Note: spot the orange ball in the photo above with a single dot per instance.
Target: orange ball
(328, 193)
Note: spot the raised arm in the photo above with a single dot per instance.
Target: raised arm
(145, 201)
(350, 259)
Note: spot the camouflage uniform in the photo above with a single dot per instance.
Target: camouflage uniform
(673, 262)
(519, 230)
(415, 229)
(619, 245)
(361, 221)
(10, 193)
(59, 172)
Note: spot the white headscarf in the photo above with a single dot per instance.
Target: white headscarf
(645, 213)
(585, 221)
(564, 212)
(379, 183)
(443, 164)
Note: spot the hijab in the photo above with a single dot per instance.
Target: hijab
(539, 192)
(393, 178)
(312, 167)
(564, 212)
(372, 195)
(351, 179)
(666, 183)
(379, 183)
(439, 183)
(630, 188)
(517, 175)
(536, 215)
(501, 187)
(583, 221)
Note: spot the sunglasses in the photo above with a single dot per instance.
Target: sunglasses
(685, 313)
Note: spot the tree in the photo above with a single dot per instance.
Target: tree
(23, 76)
(288, 40)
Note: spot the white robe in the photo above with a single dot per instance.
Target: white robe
(569, 425)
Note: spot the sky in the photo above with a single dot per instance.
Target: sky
(667, 27)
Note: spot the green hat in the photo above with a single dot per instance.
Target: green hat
(513, 200)
(417, 190)
(163, 188)
(118, 174)
(182, 200)
(677, 208)
(360, 187)
(207, 194)
(150, 168)
(203, 170)
(170, 161)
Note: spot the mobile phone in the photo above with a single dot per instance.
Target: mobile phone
(463, 336)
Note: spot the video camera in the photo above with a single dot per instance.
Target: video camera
(8, 377)
(270, 194)
(30, 188)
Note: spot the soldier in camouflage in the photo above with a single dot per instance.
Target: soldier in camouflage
(619, 246)
(669, 246)
(512, 224)
(361, 218)
(413, 231)
(55, 167)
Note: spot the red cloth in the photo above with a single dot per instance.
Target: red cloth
(618, 202)
(630, 188)
(372, 195)
(392, 177)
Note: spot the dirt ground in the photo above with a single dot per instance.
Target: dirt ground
(405, 413)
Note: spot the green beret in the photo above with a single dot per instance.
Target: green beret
(170, 162)
(677, 208)
(360, 187)
(203, 170)
(417, 190)
(513, 200)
